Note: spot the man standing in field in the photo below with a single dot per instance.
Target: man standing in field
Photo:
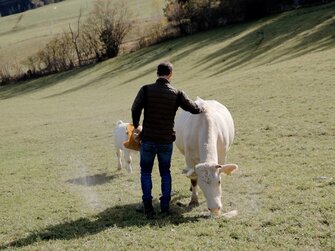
(160, 102)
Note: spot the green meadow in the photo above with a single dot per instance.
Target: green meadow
(24, 34)
(59, 184)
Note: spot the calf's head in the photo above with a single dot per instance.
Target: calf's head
(209, 180)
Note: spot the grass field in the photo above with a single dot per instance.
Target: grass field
(59, 187)
(24, 34)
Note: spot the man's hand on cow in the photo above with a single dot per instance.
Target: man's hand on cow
(203, 109)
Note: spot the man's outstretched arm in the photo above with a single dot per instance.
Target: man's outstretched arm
(188, 105)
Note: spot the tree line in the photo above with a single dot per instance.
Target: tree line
(195, 15)
(100, 36)
(94, 39)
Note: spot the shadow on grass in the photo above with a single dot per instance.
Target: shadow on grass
(120, 216)
(12, 90)
(93, 180)
(304, 31)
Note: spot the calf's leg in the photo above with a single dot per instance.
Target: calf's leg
(119, 160)
(127, 159)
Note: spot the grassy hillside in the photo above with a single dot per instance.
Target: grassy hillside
(25, 33)
(59, 187)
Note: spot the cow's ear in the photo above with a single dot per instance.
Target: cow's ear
(228, 168)
(190, 173)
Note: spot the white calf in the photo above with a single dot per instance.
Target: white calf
(120, 136)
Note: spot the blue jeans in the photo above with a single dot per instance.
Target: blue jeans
(149, 150)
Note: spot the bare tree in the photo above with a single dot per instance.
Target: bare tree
(75, 39)
(100, 36)
(10, 72)
(5, 76)
(58, 55)
(110, 22)
(90, 34)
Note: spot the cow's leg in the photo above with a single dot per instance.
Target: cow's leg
(119, 159)
(127, 159)
(194, 198)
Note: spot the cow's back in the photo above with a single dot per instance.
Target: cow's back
(192, 130)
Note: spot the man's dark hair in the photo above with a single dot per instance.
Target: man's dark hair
(164, 69)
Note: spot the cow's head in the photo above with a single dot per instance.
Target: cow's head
(209, 180)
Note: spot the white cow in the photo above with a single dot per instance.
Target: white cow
(204, 140)
(120, 136)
